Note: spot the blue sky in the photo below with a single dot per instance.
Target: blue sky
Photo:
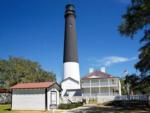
(34, 29)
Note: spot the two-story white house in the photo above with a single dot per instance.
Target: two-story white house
(99, 83)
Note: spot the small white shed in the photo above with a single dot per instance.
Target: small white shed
(35, 96)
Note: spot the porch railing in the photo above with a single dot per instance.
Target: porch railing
(97, 84)
(101, 94)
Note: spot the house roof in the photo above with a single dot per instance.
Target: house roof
(97, 74)
(33, 85)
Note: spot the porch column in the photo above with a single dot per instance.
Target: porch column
(99, 87)
(90, 87)
(108, 86)
(119, 88)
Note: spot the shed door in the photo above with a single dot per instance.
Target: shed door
(53, 98)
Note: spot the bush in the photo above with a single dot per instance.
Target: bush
(70, 105)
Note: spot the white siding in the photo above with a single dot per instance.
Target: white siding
(28, 99)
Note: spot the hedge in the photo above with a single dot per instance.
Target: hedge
(127, 103)
(70, 105)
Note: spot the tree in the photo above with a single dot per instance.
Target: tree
(16, 70)
(123, 86)
(137, 18)
(132, 81)
(144, 86)
(130, 84)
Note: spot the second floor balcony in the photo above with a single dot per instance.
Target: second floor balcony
(99, 84)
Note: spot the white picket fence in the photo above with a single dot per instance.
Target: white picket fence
(134, 97)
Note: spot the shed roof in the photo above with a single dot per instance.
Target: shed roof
(33, 85)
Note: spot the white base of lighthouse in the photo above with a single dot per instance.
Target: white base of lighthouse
(71, 81)
(71, 69)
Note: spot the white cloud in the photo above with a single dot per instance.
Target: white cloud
(108, 61)
(112, 60)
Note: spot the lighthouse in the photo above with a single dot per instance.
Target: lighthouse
(71, 75)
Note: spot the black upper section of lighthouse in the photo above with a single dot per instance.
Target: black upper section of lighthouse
(70, 42)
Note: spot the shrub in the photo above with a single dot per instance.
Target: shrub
(70, 105)
(127, 103)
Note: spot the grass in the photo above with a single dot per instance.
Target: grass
(6, 109)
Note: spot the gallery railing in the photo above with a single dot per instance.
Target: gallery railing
(99, 84)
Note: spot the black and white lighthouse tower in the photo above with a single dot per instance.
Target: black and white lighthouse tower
(71, 80)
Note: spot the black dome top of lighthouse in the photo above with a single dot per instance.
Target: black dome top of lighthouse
(70, 10)
(70, 7)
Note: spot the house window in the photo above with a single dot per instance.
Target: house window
(86, 83)
(94, 91)
(104, 82)
(86, 91)
(95, 82)
(104, 91)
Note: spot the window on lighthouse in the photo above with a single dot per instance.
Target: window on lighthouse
(70, 25)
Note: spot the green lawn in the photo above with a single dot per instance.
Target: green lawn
(5, 109)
